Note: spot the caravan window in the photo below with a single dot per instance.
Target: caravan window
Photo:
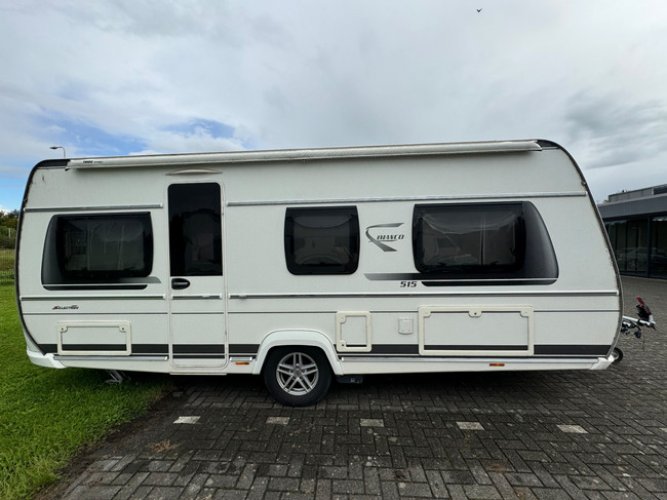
(97, 248)
(322, 240)
(482, 241)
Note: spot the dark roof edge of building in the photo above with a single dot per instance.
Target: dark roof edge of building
(634, 194)
(656, 204)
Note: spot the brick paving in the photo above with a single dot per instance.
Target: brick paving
(540, 435)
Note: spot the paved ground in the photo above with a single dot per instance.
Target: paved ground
(596, 435)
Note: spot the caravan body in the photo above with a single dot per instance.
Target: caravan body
(307, 264)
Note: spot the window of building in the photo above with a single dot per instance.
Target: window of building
(322, 240)
(101, 248)
(659, 246)
(195, 234)
(629, 240)
(482, 241)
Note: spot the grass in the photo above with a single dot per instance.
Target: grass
(6, 265)
(47, 415)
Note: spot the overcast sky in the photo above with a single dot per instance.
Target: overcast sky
(131, 76)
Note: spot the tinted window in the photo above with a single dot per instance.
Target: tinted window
(97, 248)
(484, 240)
(659, 246)
(195, 241)
(630, 241)
(322, 240)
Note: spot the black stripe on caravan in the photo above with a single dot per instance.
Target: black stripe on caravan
(123, 286)
(394, 349)
(243, 348)
(199, 348)
(161, 349)
(579, 350)
(475, 347)
(199, 356)
(150, 349)
(540, 350)
(250, 349)
(94, 347)
(442, 279)
(48, 348)
(377, 349)
(388, 348)
(509, 281)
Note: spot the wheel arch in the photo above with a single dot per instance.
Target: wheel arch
(296, 338)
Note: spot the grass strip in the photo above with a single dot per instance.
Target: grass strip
(6, 266)
(47, 415)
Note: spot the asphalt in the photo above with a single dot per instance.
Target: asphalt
(534, 435)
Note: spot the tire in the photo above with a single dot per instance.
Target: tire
(297, 376)
(618, 355)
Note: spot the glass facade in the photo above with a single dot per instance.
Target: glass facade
(640, 245)
(658, 262)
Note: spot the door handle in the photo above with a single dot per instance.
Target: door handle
(179, 283)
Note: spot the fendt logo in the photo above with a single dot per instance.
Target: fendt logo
(382, 236)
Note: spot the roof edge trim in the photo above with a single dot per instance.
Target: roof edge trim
(306, 154)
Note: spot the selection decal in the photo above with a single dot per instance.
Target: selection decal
(382, 238)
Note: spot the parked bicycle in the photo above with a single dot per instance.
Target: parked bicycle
(634, 326)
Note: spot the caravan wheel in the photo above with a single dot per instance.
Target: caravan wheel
(618, 355)
(297, 376)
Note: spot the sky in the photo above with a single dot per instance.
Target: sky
(119, 77)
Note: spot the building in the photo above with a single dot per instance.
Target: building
(637, 225)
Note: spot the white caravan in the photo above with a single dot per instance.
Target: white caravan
(307, 265)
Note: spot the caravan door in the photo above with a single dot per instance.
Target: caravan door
(196, 287)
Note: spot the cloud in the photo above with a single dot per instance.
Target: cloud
(617, 130)
(125, 77)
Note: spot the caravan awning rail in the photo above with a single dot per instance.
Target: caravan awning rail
(192, 159)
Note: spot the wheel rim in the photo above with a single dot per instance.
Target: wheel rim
(297, 373)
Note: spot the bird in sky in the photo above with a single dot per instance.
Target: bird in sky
(479, 10)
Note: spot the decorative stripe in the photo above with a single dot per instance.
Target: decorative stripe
(124, 286)
(197, 297)
(92, 297)
(48, 348)
(485, 293)
(444, 280)
(490, 282)
(199, 356)
(159, 349)
(243, 348)
(150, 349)
(411, 350)
(394, 349)
(201, 350)
(476, 347)
(94, 347)
(572, 349)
